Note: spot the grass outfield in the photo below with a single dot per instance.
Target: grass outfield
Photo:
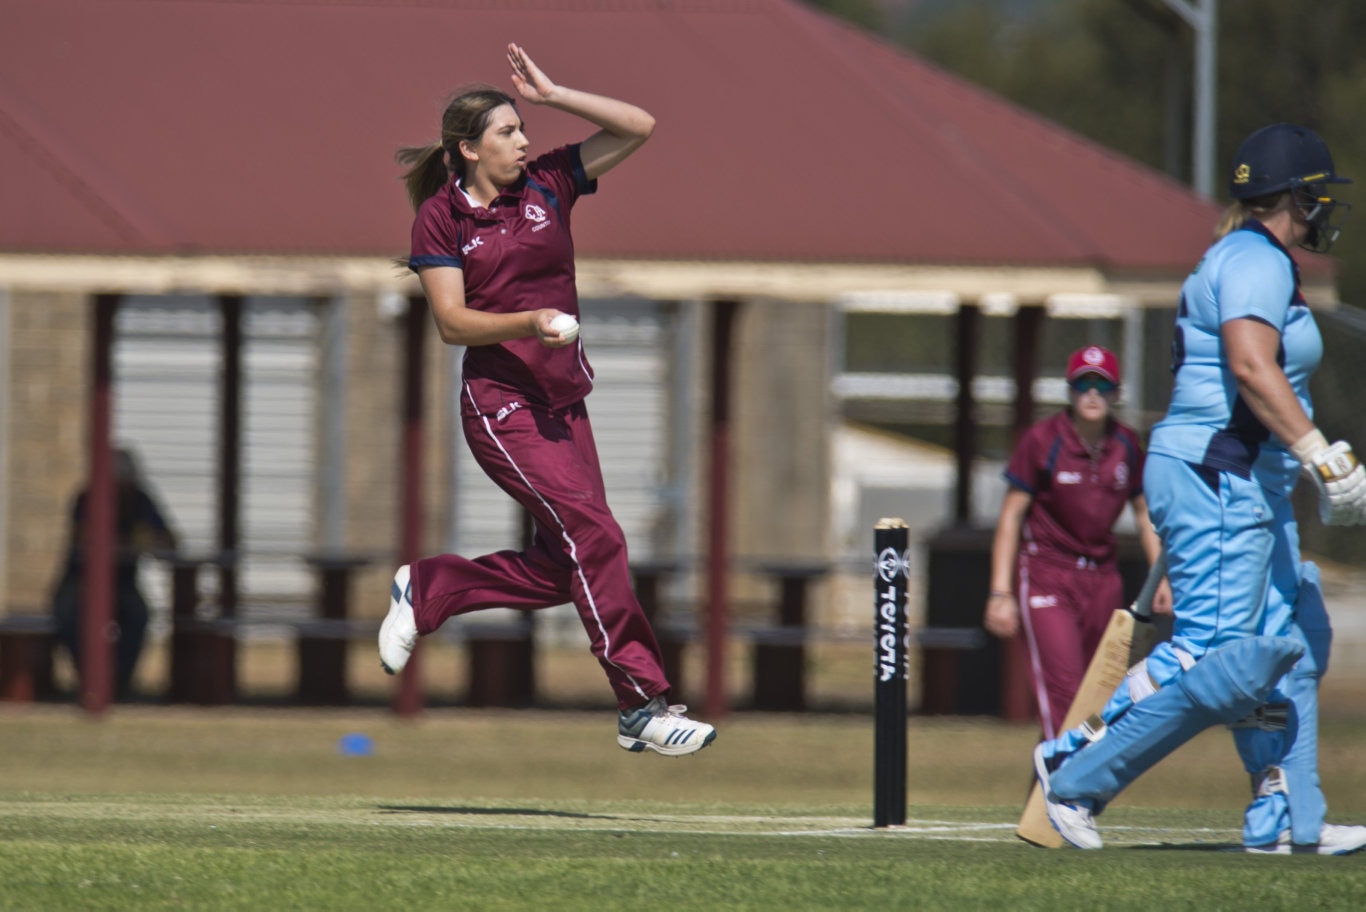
(175, 808)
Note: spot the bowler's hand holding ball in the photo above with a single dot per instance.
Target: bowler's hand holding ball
(566, 326)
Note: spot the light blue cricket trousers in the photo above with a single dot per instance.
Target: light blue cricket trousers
(1234, 565)
(1229, 543)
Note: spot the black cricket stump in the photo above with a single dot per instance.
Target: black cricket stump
(890, 672)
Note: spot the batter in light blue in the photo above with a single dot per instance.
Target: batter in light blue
(1250, 636)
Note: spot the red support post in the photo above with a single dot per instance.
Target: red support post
(97, 589)
(967, 330)
(1028, 328)
(223, 651)
(408, 695)
(1017, 694)
(717, 549)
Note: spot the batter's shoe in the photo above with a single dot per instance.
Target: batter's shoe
(1072, 819)
(663, 729)
(1333, 840)
(398, 633)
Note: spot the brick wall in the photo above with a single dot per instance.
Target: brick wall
(374, 419)
(781, 489)
(48, 374)
(779, 459)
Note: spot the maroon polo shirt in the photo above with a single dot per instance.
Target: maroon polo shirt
(1077, 494)
(517, 255)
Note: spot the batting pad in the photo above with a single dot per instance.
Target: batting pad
(1226, 684)
(1301, 807)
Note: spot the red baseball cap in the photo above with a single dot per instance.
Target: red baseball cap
(1093, 360)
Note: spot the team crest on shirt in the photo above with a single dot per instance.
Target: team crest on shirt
(535, 213)
(1121, 476)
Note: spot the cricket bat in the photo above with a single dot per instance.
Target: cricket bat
(1128, 639)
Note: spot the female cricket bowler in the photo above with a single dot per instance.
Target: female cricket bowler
(492, 248)
(1053, 554)
(1221, 467)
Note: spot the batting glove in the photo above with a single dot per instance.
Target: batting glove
(1338, 476)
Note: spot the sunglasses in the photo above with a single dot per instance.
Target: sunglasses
(1092, 382)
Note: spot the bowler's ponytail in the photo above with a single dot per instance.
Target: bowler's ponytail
(426, 173)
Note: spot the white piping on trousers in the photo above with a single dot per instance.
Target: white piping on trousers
(583, 365)
(573, 550)
(1036, 666)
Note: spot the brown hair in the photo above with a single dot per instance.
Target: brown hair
(1237, 214)
(465, 119)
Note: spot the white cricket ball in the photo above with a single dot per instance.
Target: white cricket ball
(566, 326)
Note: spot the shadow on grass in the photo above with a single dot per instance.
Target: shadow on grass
(491, 812)
(1188, 847)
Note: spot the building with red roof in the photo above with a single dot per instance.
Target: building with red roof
(231, 151)
(210, 129)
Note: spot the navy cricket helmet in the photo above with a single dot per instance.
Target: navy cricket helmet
(1281, 157)
(1284, 157)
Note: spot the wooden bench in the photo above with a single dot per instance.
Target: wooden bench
(27, 642)
(647, 578)
(778, 681)
(779, 658)
(940, 649)
(322, 646)
(323, 640)
(779, 666)
(502, 660)
(502, 652)
(204, 643)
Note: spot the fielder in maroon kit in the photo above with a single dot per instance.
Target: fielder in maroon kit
(491, 245)
(1054, 549)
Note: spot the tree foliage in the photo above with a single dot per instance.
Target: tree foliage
(867, 13)
(1120, 73)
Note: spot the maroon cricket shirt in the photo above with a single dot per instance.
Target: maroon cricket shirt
(517, 255)
(1077, 494)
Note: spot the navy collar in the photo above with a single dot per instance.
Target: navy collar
(1256, 226)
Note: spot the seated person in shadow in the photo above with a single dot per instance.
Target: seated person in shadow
(140, 527)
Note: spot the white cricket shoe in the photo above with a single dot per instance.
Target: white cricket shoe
(663, 729)
(1333, 840)
(1072, 819)
(398, 633)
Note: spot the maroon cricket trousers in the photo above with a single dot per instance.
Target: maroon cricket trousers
(547, 460)
(1065, 606)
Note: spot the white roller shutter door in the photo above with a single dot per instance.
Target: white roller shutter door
(168, 364)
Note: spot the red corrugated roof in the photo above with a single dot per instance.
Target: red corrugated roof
(137, 126)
